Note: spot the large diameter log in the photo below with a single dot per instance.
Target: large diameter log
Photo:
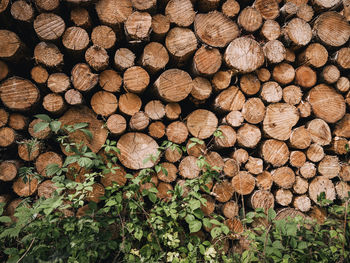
(215, 29)
(202, 123)
(113, 12)
(173, 85)
(138, 156)
(321, 184)
(110, 80)
(244, 55)
(298, 31)
(323, 95)
(180, 12)
(49, 26)
(315, 55)
(19, 94)
(129, 103)
(104, 103)
(275, 152)
(27, 188)
(10, 45)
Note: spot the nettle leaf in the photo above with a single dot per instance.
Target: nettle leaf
(43, 117)
(195, 226)
(40, 126)
(55, 126)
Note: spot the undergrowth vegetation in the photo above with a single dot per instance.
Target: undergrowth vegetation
(131, 224)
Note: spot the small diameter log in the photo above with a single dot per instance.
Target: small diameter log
(19, 94)
(249, 84)
(39, 74)
(18, 121)
(223, 191)
(254, 165)
(4, 116)
(304, 109)
(230, 8)
(156, 129)
(73, 97)
(292, 94)
(48, 55)
(275, 152)
(124, 59)
(264, 181)
(283, 73)
(206, 61)
(160, 26)
(139, 121)
(103, 36)
(171, 172)
(58, 82)
(330, 74)
(343, 190)
(201, 89)
(104, 103)
(138, 27)
(4, 70)
(329, 167)
(82, 77)
(248, 135)
(300, 138)
(172, 155)
(283, 197)
(49, 26)
(188, 167)
(315, 55)
(46, 189)
(234, 119)
(214, 160)
(279, 120)
(253, 110)
(53, 103)
(300, 185)
(284, 177)
(46, 159)
(231, 99)
(250, 19)
(344, 173)
(110, 80)
(202, 123)
(144, 5)
(215, 29)
(253, 58)
(113, 12)
(332, 29)
(173, 85)
(221, 80)
(240, 155)
(302, 203)
(136, 80)
(8, 170)
(209, 206)
(27, 188)
(270, 30)
(321, 184)
(227, 138)
(342, 129)
(3, 5)
(243, 183)
(163, 191)
(7, 136)
(180, 12)
(154, 57)
(305, 77)
(129, 104)
(143, 147)
(230, 209)
(181, 44)
(22, 11)
(80, 17)
(343, 84)
(319, 131)
(271, 92)
(75, 39)
(155, 110)
(308, 170)
(195, 150)
(177, 132)
(118, 176)
(274, 51)
(297, 159)
(10, 45)
(116, 124)
(262, 199)
(339, 145)
(97, 57)
(231, 167)
(342, 57)
(27, 151)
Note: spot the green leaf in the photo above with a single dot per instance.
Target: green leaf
(55, 126)
(195, 226)
(191, 145)
(157, 168)
(85, 162)
(52, 169)
(80, 125)
(271, 214)
(43, 117)
(215, 232)
(88, 133)
(40, 126)
(5, 219)
(152, 197)
(215, 222)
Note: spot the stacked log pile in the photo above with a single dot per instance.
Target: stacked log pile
(271, 75)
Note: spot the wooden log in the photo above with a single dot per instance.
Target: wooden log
(156, 129)
(231, 167)
(275, 152)
(274, 51)
(284, 177)
(80, 17)
(271, 92)
(332, 29)
(117, 176)
(49, 26)
(43, 134)
(308, 170)
(292, 94)
(253, 59)
(8, 170)
(223, 191)
(28, 151)
(97, 57)
(283, 197)
(195, 150)
(253, 110)
(344, 173)
(22, 11)
(315, 55)
(136, 80)
(58, 82)
(19, 94)
(129, 104)
(329, 167)
(262, 199)
(172, 155)
(264, 181)
(209, 206)
(75, 39)
(268, 9)
(207, 5)
(215, 29)
(201, 89)
(230, 8)
(82, 77)
(283, 73)
(180, 12)
(137, 27)
(304, 109)
(154, 57)
(330, 74)
(172, 111)
(24, 189)
(342, 127)
(181, 43)
(343, 84)
(300, 138)
(202, 123)
(53, 103)
(155, 109)
(298, 32)
(3, 5)
(160, 26)
(113, 12)
(47, 6)
(48, 55)
(103, 36)
(144, 5)
(221, 80)
(339, 145)
(297, 158)
(321, 184)
(7, 137)
(342, 189)
(341, 57)
(97, 192)
(243, 183)
(228, 137)
(46, 189)
(4, 70)
(231, 99)
(18, 121)
(230, 209)
(248, 135)
(163, 191)
(234, 119)
(206, 61)
(270, 30)
(177, 132)
(305, 77)
(11, 47)
(319, 131)
(139, 121)
(4, 117)
(300, 185)
(188, 167)
(116, 124)
(302, 203)
(110, 80)
(254, 165)
(214, 160)
(236, 228)
(124, 59)
(171, 174)
(104, 103)
(39, 74)
(250, 19)
(249, 84)
(325, 4)
(240, 155)
(46, 159)
(73, 97)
